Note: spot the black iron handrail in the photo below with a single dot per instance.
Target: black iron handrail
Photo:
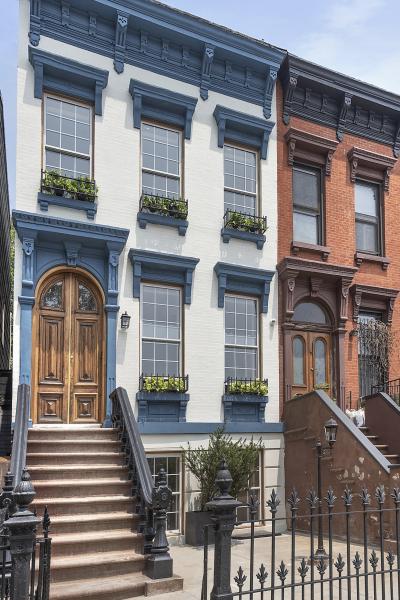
(176, 208)
(20, 434)
(234, 385)
(242, 221)
(163, 383)
(78, 188)
(392, 388)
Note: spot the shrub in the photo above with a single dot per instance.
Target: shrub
(163, 384)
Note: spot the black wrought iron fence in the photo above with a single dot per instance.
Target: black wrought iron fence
(392, 388)
(360, 559)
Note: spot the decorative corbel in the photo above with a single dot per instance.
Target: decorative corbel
(208, 57)
(386, 175)
(28, 248)
(228, 71)
(269, 90)
(144, 40)
(341, 126)
(291, 151)
(289, 286)
(389, 310)
(185, 56)
(222, 283)
(328, 163)
(92, 24)
(356, 304)
(121, 29)
(72, 253)
(65, 14)
(164, 50)
(34, 25)
(353, 169)
(287, 104)
(315, 284)
(344, 298)
(396, 143)
(113, 263)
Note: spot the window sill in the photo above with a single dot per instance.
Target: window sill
(244, 408)
(144, 218)
(227, 233)
(89, 207)
(361, 257)
(324, 251)
(162, 407)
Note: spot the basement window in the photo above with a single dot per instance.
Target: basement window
(172, 466)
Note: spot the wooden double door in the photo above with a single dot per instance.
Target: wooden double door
(68, 350)
(311, 362)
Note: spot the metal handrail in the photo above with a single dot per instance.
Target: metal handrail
(20, 435)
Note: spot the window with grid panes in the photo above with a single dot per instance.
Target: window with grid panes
(161, 330)
(240, 180)
(172, 466)
(243, 513)
(307, 205)
(241, 337)
(68, 135)
(368, 225)
(161, 161)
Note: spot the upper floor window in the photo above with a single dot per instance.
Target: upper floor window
(68, 137)
(307, 205)
(240, 180)
(241, 338)
(161, 161)
(161, 330)
(368, 217)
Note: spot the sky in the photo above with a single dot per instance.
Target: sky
(356, 37)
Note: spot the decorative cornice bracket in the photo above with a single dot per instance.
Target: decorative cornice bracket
(121, 28)
(208, 57)
(34, 25)
(269, 91)
(341, 126)
(290, 89)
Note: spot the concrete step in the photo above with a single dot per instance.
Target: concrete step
(93, 522)
(81, 445)
(84, 506)
(111, 588)
(77, 472)
(73, 488)
(57, 433)
(73, 544)
(89, 566)
(74, 458)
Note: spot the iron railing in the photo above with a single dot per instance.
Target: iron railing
(20, 434)
(176, 208)
(358, 561)
(392, 388)
(163, 383)
(244, 221)
(235, 385)
(77, 188)
(152, 499)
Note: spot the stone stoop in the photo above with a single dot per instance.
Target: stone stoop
(80, 475)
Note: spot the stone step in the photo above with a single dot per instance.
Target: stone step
(74, 458)
(84, 506)
(80, 488)
(52, 434)
(73, 544)
(81, 445)
(78, 472)
(89, 566)
(93, 522)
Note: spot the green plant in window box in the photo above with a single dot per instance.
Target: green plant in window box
(163, 384)
(81, 188)
(165, 206)
(257, 387)
(322, 386)
(244, 222)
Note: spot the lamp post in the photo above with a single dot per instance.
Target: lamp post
(330, 429)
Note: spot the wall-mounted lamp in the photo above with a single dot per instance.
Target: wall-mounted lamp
(125, 320)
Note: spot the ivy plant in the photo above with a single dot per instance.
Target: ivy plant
(80, 188)
(203, 462)
(257, 386)
(156, 383)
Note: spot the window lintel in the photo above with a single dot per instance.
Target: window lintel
(370, 166)
(309, 148)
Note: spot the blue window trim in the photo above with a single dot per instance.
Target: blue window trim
(244, 280)
(89, 207)
(233, 403)
(242, 128)
(174, 402)
(227, 233)
(159, 104)
(163, 268)
(61, 75)
(180, 224)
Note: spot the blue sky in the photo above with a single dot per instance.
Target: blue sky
(357, 37)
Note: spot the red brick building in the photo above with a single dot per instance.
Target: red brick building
(338, 245)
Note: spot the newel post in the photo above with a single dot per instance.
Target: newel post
(22, 532)
(160, 564)
(223, 508)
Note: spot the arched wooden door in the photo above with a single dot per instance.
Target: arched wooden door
(68, 350)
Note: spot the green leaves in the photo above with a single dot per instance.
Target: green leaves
(80, 188)
(243, 222)
(203, 462)
(257, 386)
(165, 206)
(163, 384)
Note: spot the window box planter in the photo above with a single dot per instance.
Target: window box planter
(60, 190)
(170, 212)
(245, 400)
(162, 399)
(244, 226)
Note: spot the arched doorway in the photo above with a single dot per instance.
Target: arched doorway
(67, 354)
(311, 349)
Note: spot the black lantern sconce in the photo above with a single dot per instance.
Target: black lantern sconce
(331, 428)
(125, 321)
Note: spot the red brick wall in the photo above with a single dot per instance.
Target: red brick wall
(340, 227)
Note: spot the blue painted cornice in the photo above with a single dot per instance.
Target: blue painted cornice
(163, 105)
(164, 40)
(243, 128)
(245, 280)
(65, 76)
(163, 268)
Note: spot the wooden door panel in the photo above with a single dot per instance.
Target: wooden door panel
(85, 407)
(307, 368)
(51, 343)
(86, 356)
(51, 408)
